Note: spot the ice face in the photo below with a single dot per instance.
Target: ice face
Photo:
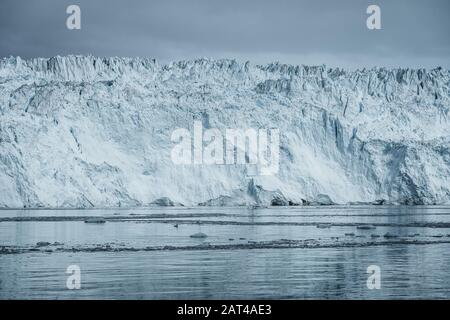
(81, 131)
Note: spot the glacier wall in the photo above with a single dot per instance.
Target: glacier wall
(81, 131)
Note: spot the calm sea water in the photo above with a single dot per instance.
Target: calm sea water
(149, 254)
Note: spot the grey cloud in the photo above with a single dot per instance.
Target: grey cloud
(414, 33)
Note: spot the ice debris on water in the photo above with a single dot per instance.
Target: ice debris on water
(324, 225)
(95, 220)
(389, 235)
(365, 227)
(199, 235)
(42, 244)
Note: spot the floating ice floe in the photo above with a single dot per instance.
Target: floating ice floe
(198, 235)
(366, 227)
(95, 220)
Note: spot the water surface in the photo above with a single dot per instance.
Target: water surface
(289, 253)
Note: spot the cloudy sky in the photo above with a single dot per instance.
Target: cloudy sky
(414, 33)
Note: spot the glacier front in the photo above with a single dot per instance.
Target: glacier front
(83, 131)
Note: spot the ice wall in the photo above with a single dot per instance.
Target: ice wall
(82, 131)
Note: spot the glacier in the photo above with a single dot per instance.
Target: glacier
(84, 131)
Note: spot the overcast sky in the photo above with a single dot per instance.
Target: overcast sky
(414, 33)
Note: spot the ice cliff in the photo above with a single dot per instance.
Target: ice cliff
(81, 131)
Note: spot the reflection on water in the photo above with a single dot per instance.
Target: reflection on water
(407, 270)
